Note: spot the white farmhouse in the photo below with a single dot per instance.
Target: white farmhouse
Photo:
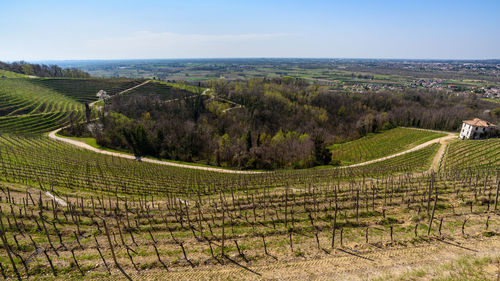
(102, 95)
(476, 129)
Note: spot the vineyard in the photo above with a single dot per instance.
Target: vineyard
(380, 145)
(52, 232)
(66, 212)
(37, 159)
(163, 91)
(468, 154)
(84, 90)
(28, 108)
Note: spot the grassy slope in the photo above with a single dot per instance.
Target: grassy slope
(29, 108)
(484, 154)
(10, 74)
(381, 144)
(85, 170)
(85, 90)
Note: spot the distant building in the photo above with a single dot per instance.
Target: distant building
(102, 95)
(476, 129)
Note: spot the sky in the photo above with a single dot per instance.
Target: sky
(148, 29)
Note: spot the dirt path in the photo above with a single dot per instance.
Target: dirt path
(436, 162)
(418, 147)
(80, 144)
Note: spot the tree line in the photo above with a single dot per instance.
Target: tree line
(42, 70)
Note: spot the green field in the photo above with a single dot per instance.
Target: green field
(29, 108)
(381, 144)
(416, 161)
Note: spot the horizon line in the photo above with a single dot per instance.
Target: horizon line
(249, 58)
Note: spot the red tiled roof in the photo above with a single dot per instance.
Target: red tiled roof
(476, 122)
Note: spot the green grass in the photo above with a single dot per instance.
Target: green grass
(381, 144)
(464, 268)
(90, 141)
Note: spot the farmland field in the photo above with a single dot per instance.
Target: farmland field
(381, 144)
(28, 108)
(92, 232)
(159, 89)
(66, 212)
(38, 159)
(85, 90)
(473, 154)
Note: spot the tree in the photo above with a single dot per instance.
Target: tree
(137, 139)
(249, 140)
(87, 112)
(322, 155)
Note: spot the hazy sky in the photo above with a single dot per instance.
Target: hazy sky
(48, 30)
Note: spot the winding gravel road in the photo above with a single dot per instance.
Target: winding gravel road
(80, 144)
(418, 147)
(53, 135)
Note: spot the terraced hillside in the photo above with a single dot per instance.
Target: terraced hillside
(381, 144)
(85, 90)
(162, 90)
(474, 154)
(29, 108)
